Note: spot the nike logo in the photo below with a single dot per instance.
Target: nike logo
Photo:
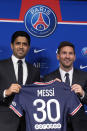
(37, 51)
(83, 67)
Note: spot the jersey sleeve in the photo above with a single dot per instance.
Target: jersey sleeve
(74, 104)
(16, 105)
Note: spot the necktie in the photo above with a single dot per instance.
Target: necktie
(20, 72)
(67, 81)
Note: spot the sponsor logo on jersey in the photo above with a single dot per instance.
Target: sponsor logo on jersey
(84, 51)
(40, 21)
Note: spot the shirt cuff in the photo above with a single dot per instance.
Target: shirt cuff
(4, 94)
(82, 96)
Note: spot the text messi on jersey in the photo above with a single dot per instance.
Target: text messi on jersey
(45, 92)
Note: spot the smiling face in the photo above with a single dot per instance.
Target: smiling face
(66, 58)
(20, 47)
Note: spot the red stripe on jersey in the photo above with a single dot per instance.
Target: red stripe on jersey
(15, 111)
(73, 113)
(53, 4)
(45, 83)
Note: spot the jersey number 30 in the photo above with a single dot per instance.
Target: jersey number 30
(45, 109)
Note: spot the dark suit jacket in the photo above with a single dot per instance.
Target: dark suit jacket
(79, 77)
(8, 120)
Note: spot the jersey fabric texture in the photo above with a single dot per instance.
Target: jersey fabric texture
(46, 105)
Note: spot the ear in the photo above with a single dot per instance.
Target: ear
(12, 46)
(28, 48)
(57, 56)
(75, 58)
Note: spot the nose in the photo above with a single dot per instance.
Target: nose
(67, 55)
(21, 45)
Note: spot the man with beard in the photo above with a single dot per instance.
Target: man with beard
(14, 72)
(77, 79)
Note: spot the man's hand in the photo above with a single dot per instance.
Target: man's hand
(14, 88)
(77, 89)
(58, 79)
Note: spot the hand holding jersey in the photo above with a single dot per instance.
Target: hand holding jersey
(58, 80)
(78, 90)
(14, 88)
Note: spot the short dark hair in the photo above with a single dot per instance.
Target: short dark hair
(20, 33)
(63, 44)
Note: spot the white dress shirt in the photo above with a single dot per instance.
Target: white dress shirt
(63, 77)
(25, 70)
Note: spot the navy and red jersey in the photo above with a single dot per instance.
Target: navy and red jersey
(46, 105)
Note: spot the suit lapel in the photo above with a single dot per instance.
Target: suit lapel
(11, 71)
(28, 81)
(57, 74)
(75, 78)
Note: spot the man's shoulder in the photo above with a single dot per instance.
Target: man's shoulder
(31, 67)
(52, 75)
(53, 72)
(4, 61)
(80, 72)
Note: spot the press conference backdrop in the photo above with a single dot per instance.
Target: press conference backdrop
(48, 22)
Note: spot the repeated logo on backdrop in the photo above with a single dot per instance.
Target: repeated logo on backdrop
(84, 54)
(84, 51)
(40, 21)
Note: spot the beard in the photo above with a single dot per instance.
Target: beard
(66, 65)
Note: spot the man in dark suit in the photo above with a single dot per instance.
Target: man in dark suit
(77, 78)
(9, 81)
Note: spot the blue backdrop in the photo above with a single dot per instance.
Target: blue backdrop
(71, 26)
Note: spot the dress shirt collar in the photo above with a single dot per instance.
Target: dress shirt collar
(25, 70)
(15, 59)
(62, 73)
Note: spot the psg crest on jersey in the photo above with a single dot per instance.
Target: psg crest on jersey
(40, 21)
